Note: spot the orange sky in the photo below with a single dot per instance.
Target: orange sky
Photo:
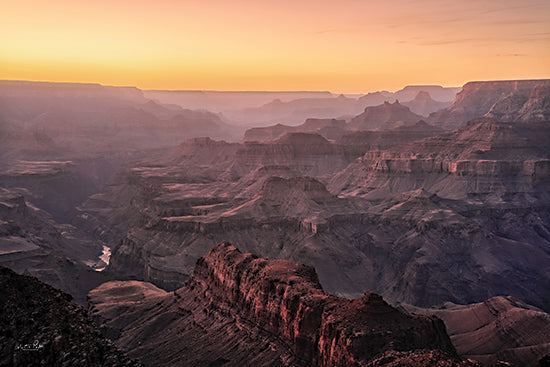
(336, 45)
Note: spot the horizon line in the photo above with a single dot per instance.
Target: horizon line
(257, 91)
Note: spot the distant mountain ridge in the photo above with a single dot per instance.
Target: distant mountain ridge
(339, 107)
(385, 117)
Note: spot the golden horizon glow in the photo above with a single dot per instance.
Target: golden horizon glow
(350, 46)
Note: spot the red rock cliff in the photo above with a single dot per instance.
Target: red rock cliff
(243, 310)
(287, 300)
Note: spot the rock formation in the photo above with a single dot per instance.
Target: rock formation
(384, 116)
(423, 104)
(263, 108)
(41, 327)
(414, 214)
(249, 310)
(416, 222)
(485, 157)
(499, 329)
(166, 227)
(488, 184)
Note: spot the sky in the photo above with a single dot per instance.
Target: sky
(344, 46)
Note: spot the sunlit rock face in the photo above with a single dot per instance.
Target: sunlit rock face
(266, 312)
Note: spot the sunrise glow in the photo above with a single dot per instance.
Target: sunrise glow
(342, 46)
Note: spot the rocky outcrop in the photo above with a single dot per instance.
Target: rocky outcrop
(384, 116)
(501, 329)
(375, 98)
(202, 151)
(40, 326)
(235, 296)
(267, 133)
(509, 98)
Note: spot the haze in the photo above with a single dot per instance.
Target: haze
(341, 46)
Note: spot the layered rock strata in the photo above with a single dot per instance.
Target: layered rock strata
(243, 303)
(499, 330)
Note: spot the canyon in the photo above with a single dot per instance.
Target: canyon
(446, 215)
(443, 220)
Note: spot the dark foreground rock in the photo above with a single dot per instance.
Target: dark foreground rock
(241, 310)
(39, 326)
